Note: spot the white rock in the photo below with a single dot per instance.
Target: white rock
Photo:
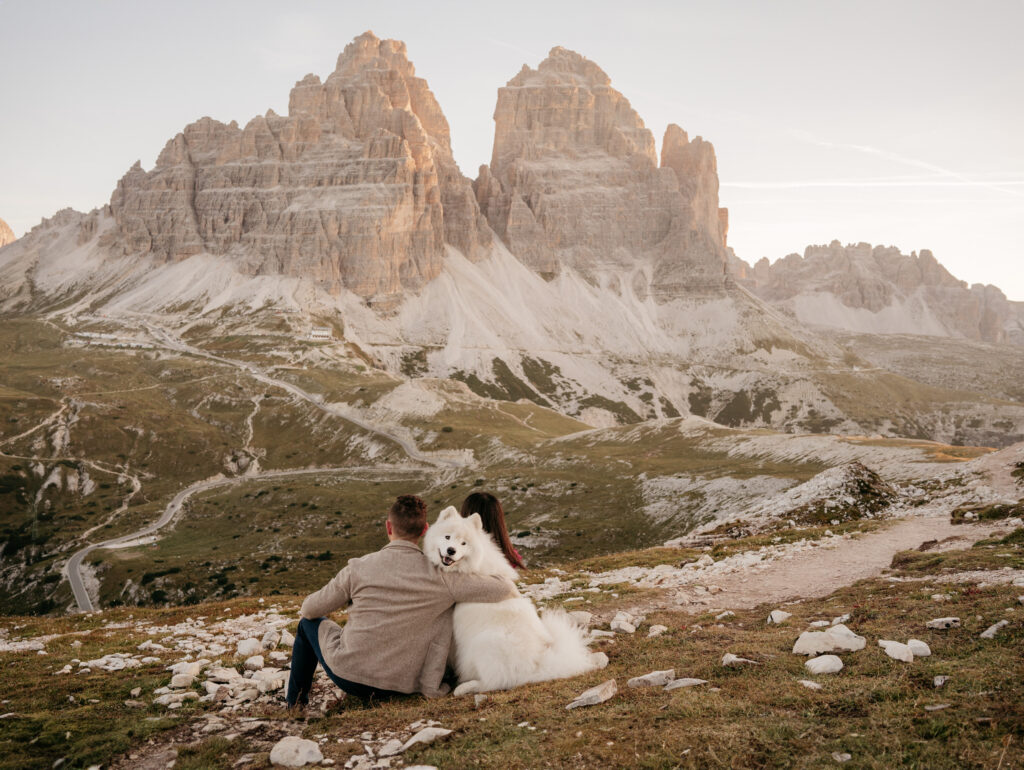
(943, 623)
(656, 631)
(255, 663)
(676, 684)
(186, 667)
(426, 735)
(778, 616)
(595, 695)
(940, 681)
(734, 661)
(844, 639)
(824, 664)
(896, 650)
(724, 615)
(991, 631)
(278, 657)
(181, 680)
(479, 700)
(136, 692)
(705, 561)
(222, 675)
(295, 752)
(838, 638)
(249, 647)
(653, 679)
(1020, 600)
(389, 749)
(287, 640)
(941, 597)
(270, 639)
(841, 756)
(818, 623)
(622, 627)
(809, 684)
(919, 648)
(841, 619)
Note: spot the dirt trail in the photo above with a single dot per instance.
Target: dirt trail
(817, 573)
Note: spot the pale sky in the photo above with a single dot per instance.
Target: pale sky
(898, 122)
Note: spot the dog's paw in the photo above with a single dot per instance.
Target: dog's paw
(470, 687)
(600, 659)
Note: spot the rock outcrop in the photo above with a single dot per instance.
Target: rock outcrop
(574, 181)
(356, 188)
(6, 234)
(864, 288)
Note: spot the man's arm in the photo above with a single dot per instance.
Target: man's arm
(479, 588)
(331, 597)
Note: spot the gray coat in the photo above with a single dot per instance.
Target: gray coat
(400, 620)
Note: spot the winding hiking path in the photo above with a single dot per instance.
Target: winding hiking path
(817, 573)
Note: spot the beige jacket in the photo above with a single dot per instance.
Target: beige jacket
(400, 620)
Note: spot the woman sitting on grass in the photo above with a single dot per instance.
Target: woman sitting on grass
(493, 517)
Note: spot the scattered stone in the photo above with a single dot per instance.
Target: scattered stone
(389, 749)
(656, 631)
(841, 756)
(778, 616)
(622, 627)
(896, 650)
(479, 700)
(653, 679)
(734, 661)
(810, 685)
(255, 663)
(1020, 600)
(919, 648)
(939, 681)
(943, 623)
(724, 615)
(222, 675)
(818, 623)
(278, 657)
(295, 752)
(824, 664)
(838, 638)
(249, 647)
(841, 619)
(941, 597)
(595, 695)
(136, 692)
(426, 735)
(287, 640)
(270, 639)
(937, 706)
(995, 628)
(676, 684)
(178, 681)
(134, 704)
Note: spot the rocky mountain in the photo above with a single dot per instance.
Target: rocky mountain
(356, 187)
(579, 270)
(6, 234)
(879, 290)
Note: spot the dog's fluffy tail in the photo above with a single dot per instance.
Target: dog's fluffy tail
(569, 654)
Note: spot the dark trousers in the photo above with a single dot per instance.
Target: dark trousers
(305, 656)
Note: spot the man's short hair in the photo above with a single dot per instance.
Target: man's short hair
(408, 516)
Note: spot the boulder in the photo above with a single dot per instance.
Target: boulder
(919, 648)
(295, 752)
(778, 616)
(653, 679)
(179, 681)
(248, 647)
(595, 695)
(824, 664)
(255, 663)
(942, 624)
(837, 638)
(896, 650)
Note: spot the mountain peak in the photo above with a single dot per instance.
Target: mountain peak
(6, 234)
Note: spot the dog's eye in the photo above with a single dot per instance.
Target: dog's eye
(447, 537)
(463, 542)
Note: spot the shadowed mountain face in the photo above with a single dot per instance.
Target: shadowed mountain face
(860, 288)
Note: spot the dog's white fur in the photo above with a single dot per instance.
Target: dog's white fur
(502, 644)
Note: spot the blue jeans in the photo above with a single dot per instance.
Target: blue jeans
(305, 656)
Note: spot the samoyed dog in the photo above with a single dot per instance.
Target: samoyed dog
(499, 645)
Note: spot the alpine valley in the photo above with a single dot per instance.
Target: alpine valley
(213, 385)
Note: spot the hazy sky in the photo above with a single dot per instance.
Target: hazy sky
(892, 122)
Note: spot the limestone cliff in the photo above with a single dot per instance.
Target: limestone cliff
(878, 289)
(6, 234)
(574, 181)
(356, 187)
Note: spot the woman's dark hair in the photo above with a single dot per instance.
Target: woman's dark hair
(487, 505)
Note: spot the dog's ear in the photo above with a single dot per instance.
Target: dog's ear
(448, 513)
(476, 521)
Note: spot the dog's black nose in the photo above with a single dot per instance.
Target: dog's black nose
(451, 551)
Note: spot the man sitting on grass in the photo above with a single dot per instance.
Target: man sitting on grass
(399, 625)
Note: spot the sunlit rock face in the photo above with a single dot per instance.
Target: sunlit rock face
(6, 234)
(355, 188)
(574, 181)
(878, 289)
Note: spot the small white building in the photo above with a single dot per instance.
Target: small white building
(321, 333)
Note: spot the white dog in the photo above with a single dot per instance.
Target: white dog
(503, 644)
